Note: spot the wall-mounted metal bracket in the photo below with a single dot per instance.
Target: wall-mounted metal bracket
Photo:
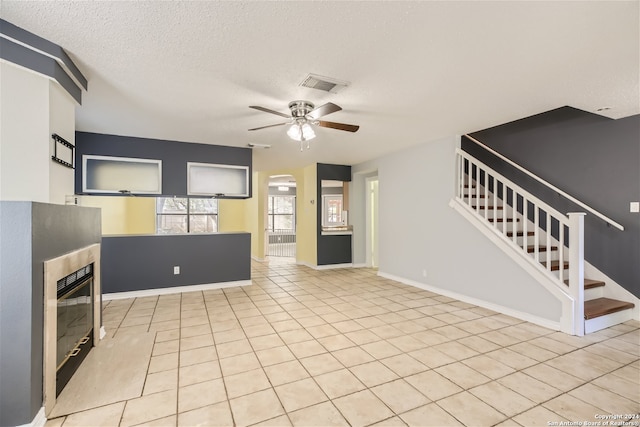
(58, 140)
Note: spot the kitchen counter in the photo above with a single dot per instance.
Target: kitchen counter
(343, 230)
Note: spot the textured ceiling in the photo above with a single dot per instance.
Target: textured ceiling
(188, 71)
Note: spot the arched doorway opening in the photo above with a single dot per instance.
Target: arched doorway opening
(280, 231)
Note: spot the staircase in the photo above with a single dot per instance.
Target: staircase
(548, 239)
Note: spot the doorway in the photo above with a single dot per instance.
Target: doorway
(371, 202)
(280, 231)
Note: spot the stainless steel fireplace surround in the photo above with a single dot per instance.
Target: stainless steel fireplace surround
(72, 316)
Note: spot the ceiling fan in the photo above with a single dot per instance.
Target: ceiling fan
(303, 116)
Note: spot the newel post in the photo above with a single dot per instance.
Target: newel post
(576, 269)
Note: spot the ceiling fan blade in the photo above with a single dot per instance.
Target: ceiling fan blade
(266, 110)
(323, 110)
(339, 126)
(270, 126)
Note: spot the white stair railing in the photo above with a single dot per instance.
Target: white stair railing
(502, 205)
(548, 184)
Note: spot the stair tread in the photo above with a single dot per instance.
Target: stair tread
(555, 265)
(603, 306)
(532, 248)
(589, 283)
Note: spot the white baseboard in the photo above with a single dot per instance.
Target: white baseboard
(174, 290)
(38, 421)
(550, 324)
(306, 264)
(103, 332)
(333, 266)
(327, 266)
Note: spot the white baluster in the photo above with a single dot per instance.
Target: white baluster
(463, 161)
(505, 222)
(485, 193)
(478, 189)
(495, 200)
(470, 183)
(576, 268)
(469, 175)
(514, 216)
(525, 217)
(561, 250)
(548, 240)
(456, 186)
(536, 233)
(461, 178)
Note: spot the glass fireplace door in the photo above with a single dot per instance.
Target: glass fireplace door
(74, 323)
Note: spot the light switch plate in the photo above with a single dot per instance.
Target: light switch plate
(634, 207)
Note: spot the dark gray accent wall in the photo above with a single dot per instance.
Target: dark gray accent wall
(31, 233)
(332, 249)
(174, 156)
(134, 263)
(593, 158)
(29, 58)
(333, 172)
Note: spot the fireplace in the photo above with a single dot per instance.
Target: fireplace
(71, 318)
(74, 324)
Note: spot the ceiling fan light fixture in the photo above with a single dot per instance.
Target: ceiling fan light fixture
(295, 132)
(307, 132)
(301, 132)
(304, 115)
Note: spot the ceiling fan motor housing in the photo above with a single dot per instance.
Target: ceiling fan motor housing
(299, 109)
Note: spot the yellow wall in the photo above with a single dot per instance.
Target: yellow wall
(259, 217)
(141, 215)
(124, 215)
(232, 215)
(306, 233)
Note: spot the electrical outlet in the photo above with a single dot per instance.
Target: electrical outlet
(176, 269)
(634, 207)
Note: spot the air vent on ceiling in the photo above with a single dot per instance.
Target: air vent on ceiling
(326, 84)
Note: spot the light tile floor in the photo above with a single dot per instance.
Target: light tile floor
(348, 348)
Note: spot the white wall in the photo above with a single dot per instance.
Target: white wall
(24, 134)
(418, 231)
(32, 107)
(62, 121)
(357, 208)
